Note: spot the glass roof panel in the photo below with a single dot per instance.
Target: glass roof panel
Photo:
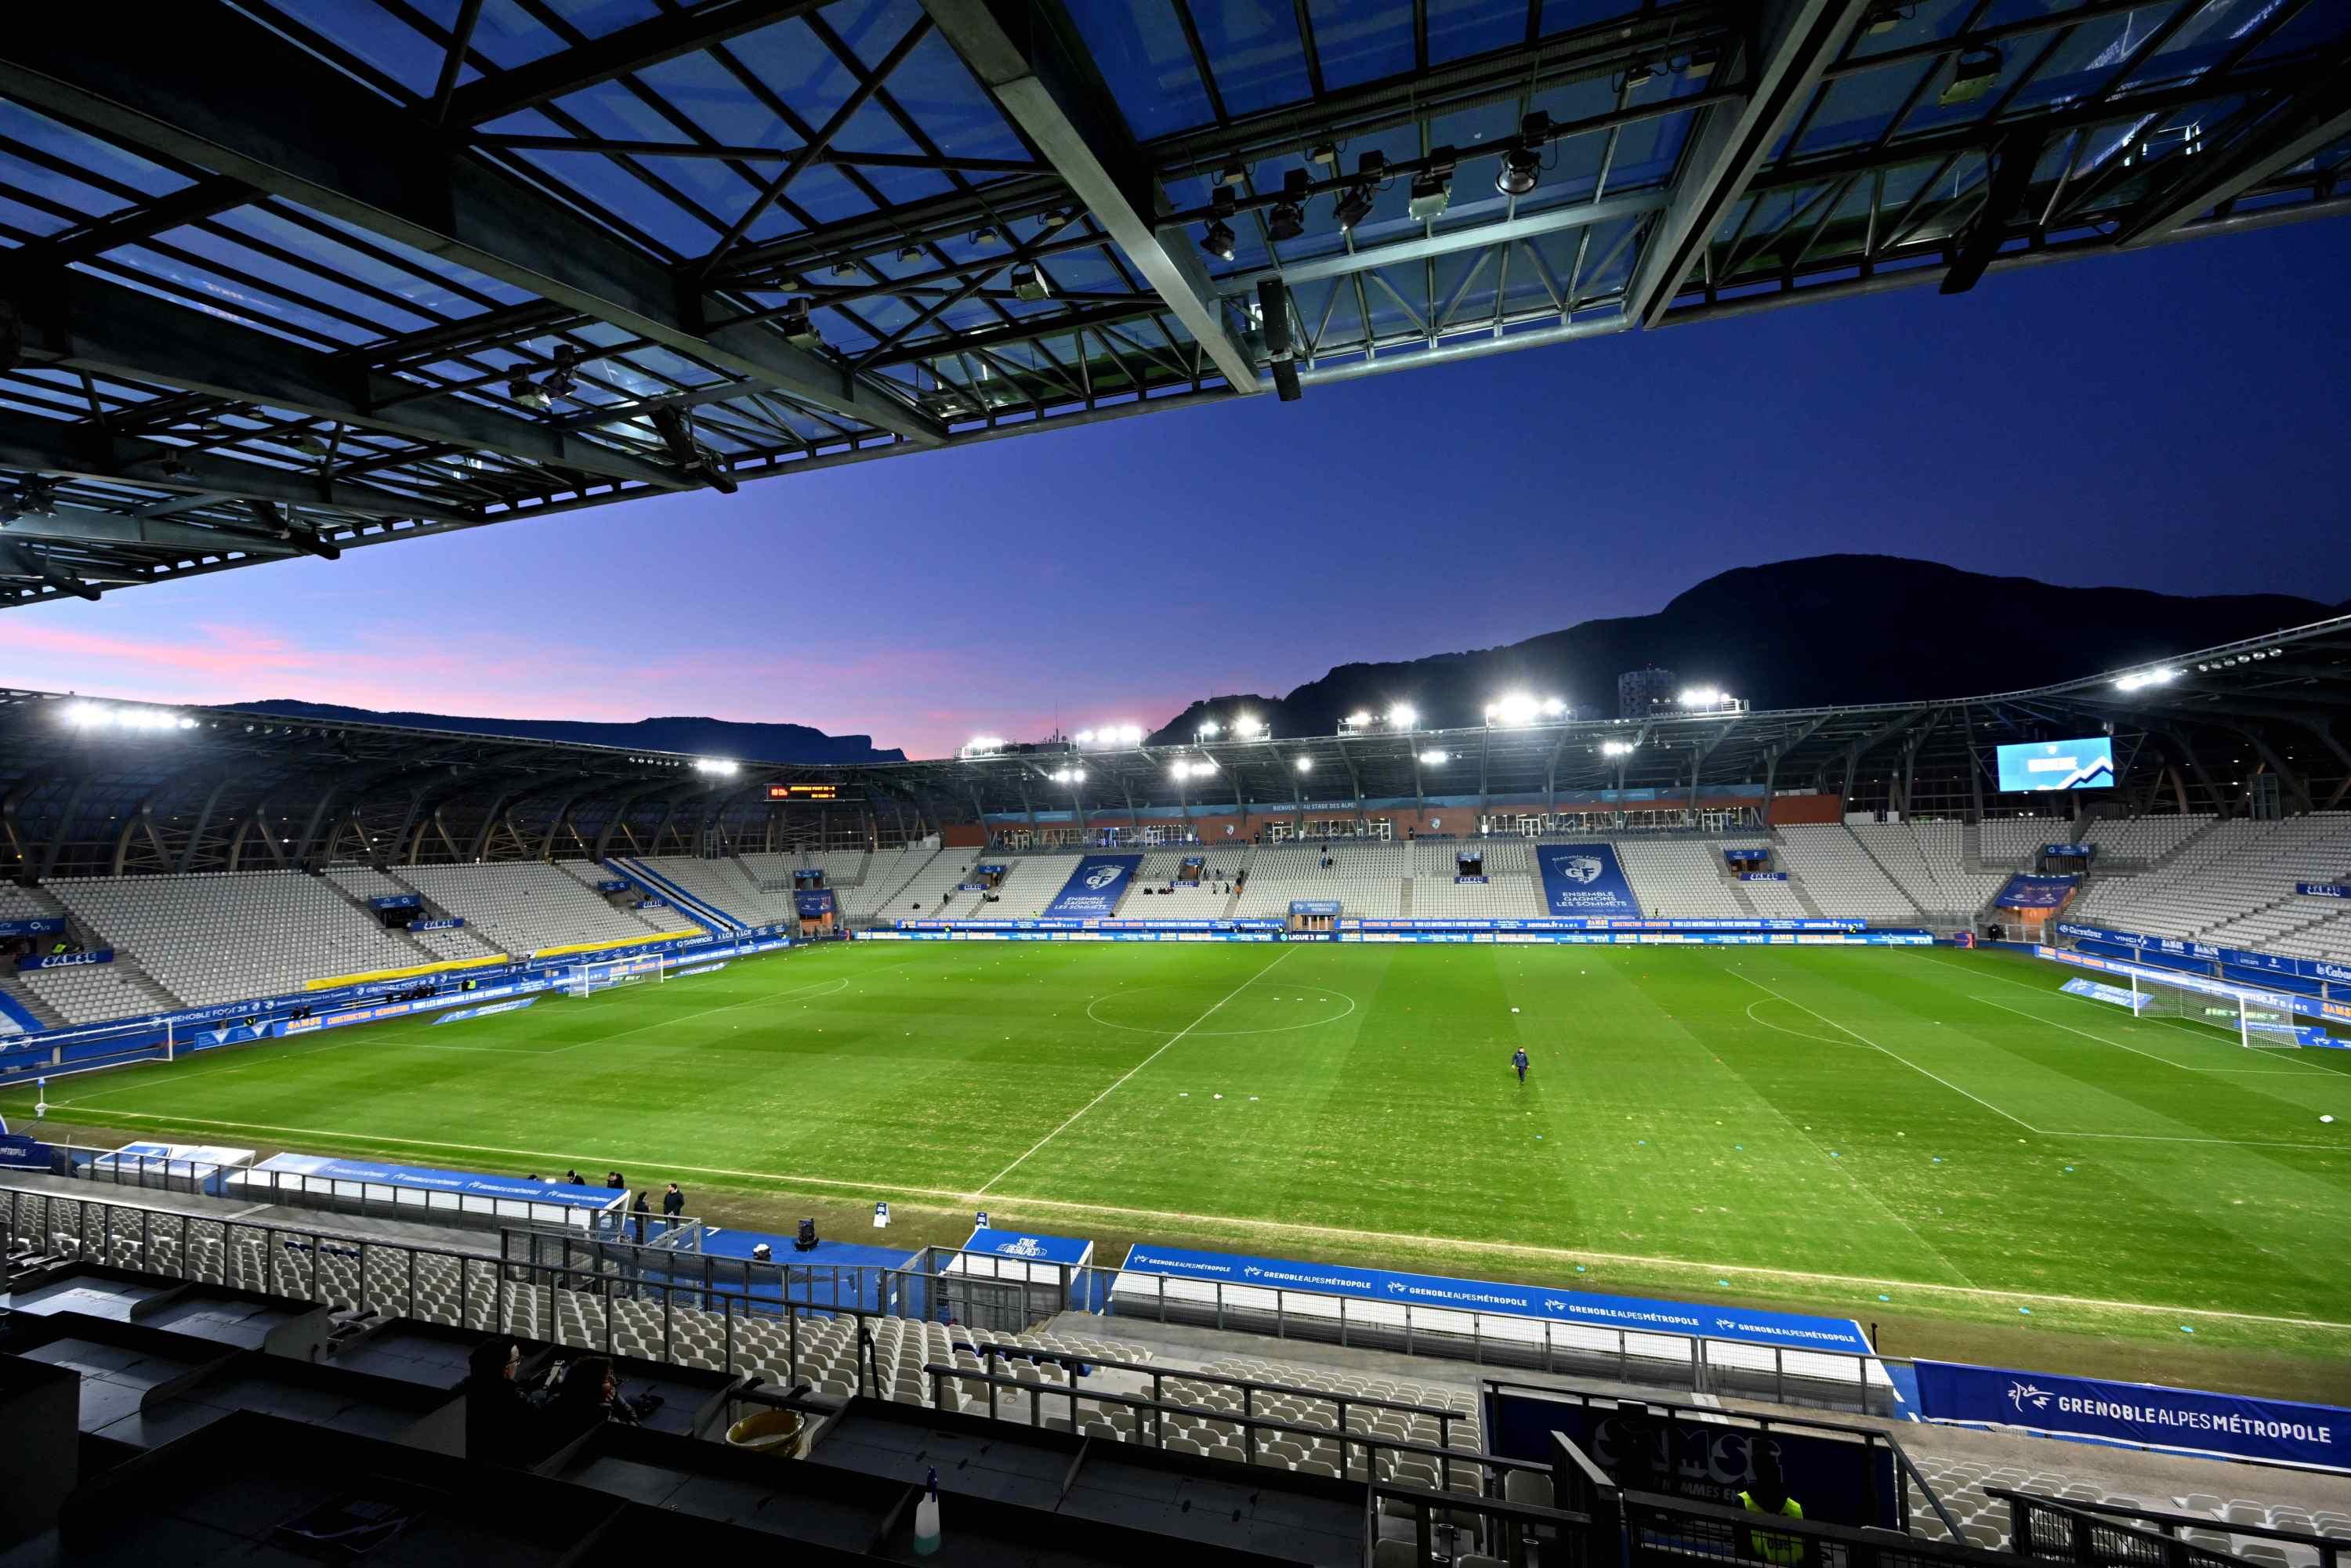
(31, 221)
(604, 183)
(374, 35)
(296, 281)
(430, 295)
(1362, 40)
(1141, 52)
(934, 86)
(1458, 28)
(102, 159)
(795, 66)
(872, 28)
(1254, 51)
(77, 198)
(234, 299)
(2312, 27)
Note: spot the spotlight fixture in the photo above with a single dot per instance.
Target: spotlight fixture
(1432, 188)
(1220, 241)
(1054, 222)
(1521, 167)
(1325, 153)
(844, 269)
(910, 253)
(1433, 759)
(1027, 283)
(559, 382)
(986, 237)
(798, 329)
(1701, 63)
(529, 393)
(1306, 765)
(1354, 206)
(1972, 75)
(1288, 219)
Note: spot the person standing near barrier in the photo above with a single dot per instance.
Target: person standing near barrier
(673, 1202)
(1768, 1493)
(1519, 1061)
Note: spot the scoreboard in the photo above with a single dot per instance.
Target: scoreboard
(818, 793)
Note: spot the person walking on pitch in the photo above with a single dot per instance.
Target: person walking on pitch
(1519, 1061)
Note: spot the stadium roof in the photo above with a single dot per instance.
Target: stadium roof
(298, 277)
(93, 788)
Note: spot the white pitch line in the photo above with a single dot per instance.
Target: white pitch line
(981, 1191)
(1905, 1062)
(2085, 1034)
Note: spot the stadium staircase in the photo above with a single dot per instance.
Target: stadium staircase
(1878, 860)
(1404, 900)
(713, 918)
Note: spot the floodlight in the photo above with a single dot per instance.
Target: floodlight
(1554, 707)
(1069, 775)
(1306, 765)
(1358, 720)
(1432, 759)
(1085, 738)
(1054, 222)
(1432, 192)
(1130, 734)
(1617, 749)
(1354, 206)
(2140, 678)
(1220, 241)
(1521, 168)
(1701, 62)
(799, 330)
(1700, 697)
(529, 395)
(1972, 75)
(1209, 727)
(1027, 283)
(1249, 725)
(83, 714)
(1288, 219)
(713, 765)
(1514, 709)
(1402, 717)
(910, 253)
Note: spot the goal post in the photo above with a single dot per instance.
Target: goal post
(2255, 1018)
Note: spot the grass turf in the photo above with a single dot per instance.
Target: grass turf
(1919, 1136)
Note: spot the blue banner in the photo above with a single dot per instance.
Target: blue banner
(397, 900)
(2323, 889)
(1095, 887)
(1705, 1458)
(1584, 879)
(2275, 1430)
(1468, 879)
(813, 906)
(1069, 1251)
(2070, 852)
(1604, 923)
(1752, 1327)
(66, 960)
(612, 884)
(2025, 892)
(2161, 948)
(18, 1153)
(1469, 857)
(1742, 857)
(2085, 764)
(451, 924)
(46, 925)
(1313, 906)
(2098, 992)
(1763, 877)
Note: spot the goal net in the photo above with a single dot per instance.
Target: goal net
(587, 979)
(2255, 1018)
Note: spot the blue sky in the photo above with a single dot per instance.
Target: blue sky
(2173, 420)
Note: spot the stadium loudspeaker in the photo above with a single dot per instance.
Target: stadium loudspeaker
(1273, 312)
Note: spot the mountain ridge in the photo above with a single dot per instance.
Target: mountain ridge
(740, 739)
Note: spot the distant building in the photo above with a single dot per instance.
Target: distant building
(1640, 693)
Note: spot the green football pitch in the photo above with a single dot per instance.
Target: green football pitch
(1868, 1133)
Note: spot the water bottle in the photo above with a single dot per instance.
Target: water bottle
(927, 1517)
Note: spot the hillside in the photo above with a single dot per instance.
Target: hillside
(697, 737)
(1832, 629)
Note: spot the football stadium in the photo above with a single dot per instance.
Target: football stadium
(1441, 1120)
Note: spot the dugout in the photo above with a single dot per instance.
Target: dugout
(1313, 915)
(1047, 1271)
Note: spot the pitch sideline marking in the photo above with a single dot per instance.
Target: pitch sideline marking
(1875, 1046)
(1287, 1225)
(981, 1191)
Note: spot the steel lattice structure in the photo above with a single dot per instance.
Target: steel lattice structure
(218, 789)
(286, 278)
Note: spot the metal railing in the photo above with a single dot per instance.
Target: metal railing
(2100, 1534)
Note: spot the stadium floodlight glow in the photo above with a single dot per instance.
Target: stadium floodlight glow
(1249, 726)
(716, 766)
(1084, 737)
(1358, 720)
(1517, 708)
(1068, 776)
(1617, 749)
(1402, 716)
(2138, 678)
(1433, 759)
(1306, 765)
(1209, 727)
(981, 746)
(1554, 707)
(83, 714)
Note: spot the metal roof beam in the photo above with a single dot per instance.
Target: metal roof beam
(1027, 57)
(51, 447)
(73, 320)
(2305, 124)
(636, 47)
(1552, 220)
(283, 122)
(1792, 43)
(74, 525)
